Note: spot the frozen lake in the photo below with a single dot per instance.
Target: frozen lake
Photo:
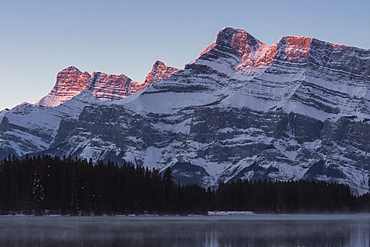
(248, 230)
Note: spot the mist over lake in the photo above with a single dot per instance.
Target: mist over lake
(202, 231)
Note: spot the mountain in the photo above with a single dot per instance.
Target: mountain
(298, 109)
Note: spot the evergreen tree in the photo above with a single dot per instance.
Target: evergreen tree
(38, 193)
(168, 191)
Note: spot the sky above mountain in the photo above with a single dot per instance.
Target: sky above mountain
(39, 38)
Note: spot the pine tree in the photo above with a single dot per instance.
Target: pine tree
(38, 192)
(168, 190)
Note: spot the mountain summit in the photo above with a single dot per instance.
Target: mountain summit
(298, 109)
(70, 82)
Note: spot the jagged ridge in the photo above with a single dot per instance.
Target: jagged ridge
(71, 82)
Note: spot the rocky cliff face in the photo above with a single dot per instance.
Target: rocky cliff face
(298, 109)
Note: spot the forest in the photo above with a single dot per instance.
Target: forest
(65, 186)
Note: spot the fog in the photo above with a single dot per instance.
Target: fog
(215, 231)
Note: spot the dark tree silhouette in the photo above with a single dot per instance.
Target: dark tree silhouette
(38, 193)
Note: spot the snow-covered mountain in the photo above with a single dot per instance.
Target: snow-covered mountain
(298, 109)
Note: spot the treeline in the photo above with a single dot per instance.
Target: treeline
(286, 197)
(35, 185)
(45, 184)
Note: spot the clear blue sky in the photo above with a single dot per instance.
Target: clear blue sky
(39, 38)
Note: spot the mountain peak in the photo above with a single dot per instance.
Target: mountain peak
(234, 43)
(292, 48)
(72, 69)
(236, 38)
(294, 42)
(159, 73)
(70, 82)
(224, 36)
(158, 63)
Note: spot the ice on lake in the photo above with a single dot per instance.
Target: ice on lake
(215, 231)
